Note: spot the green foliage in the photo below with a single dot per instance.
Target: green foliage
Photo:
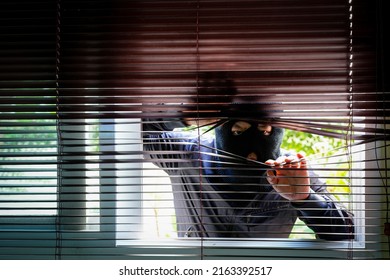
(310, 144)
(30, 141)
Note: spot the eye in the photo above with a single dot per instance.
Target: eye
(240, 127)
(237, 132)
(266, 129)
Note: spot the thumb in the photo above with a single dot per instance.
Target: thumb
(271, 178)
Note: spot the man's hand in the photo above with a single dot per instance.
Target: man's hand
(290, 177)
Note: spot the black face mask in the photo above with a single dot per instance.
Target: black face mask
(251, 140)
(240, 177)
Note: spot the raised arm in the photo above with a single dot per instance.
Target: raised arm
(165, 147)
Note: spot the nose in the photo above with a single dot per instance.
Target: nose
(252, 156)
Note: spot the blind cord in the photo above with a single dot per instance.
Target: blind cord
(58, 224)
(198, 130)
(349, 134)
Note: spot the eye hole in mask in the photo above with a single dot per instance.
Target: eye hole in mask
(240, 127)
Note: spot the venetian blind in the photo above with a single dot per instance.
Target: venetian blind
(86, 84)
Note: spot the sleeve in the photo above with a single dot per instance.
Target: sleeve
(150, 126)
(323, 214)
(164, 147)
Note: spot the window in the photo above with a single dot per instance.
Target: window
(77, 78)
(328, 156)
(26, 175)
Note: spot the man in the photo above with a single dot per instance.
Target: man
(239, 183)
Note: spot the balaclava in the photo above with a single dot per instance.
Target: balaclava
(243, 178)
(238, 180)
(252, 140)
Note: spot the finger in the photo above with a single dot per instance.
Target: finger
(294, 164)
(270, 162)
(301, 155)
(271, 178)
(290, 159)
(280, 160)
(302, 160)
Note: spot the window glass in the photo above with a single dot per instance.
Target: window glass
(28, 169)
